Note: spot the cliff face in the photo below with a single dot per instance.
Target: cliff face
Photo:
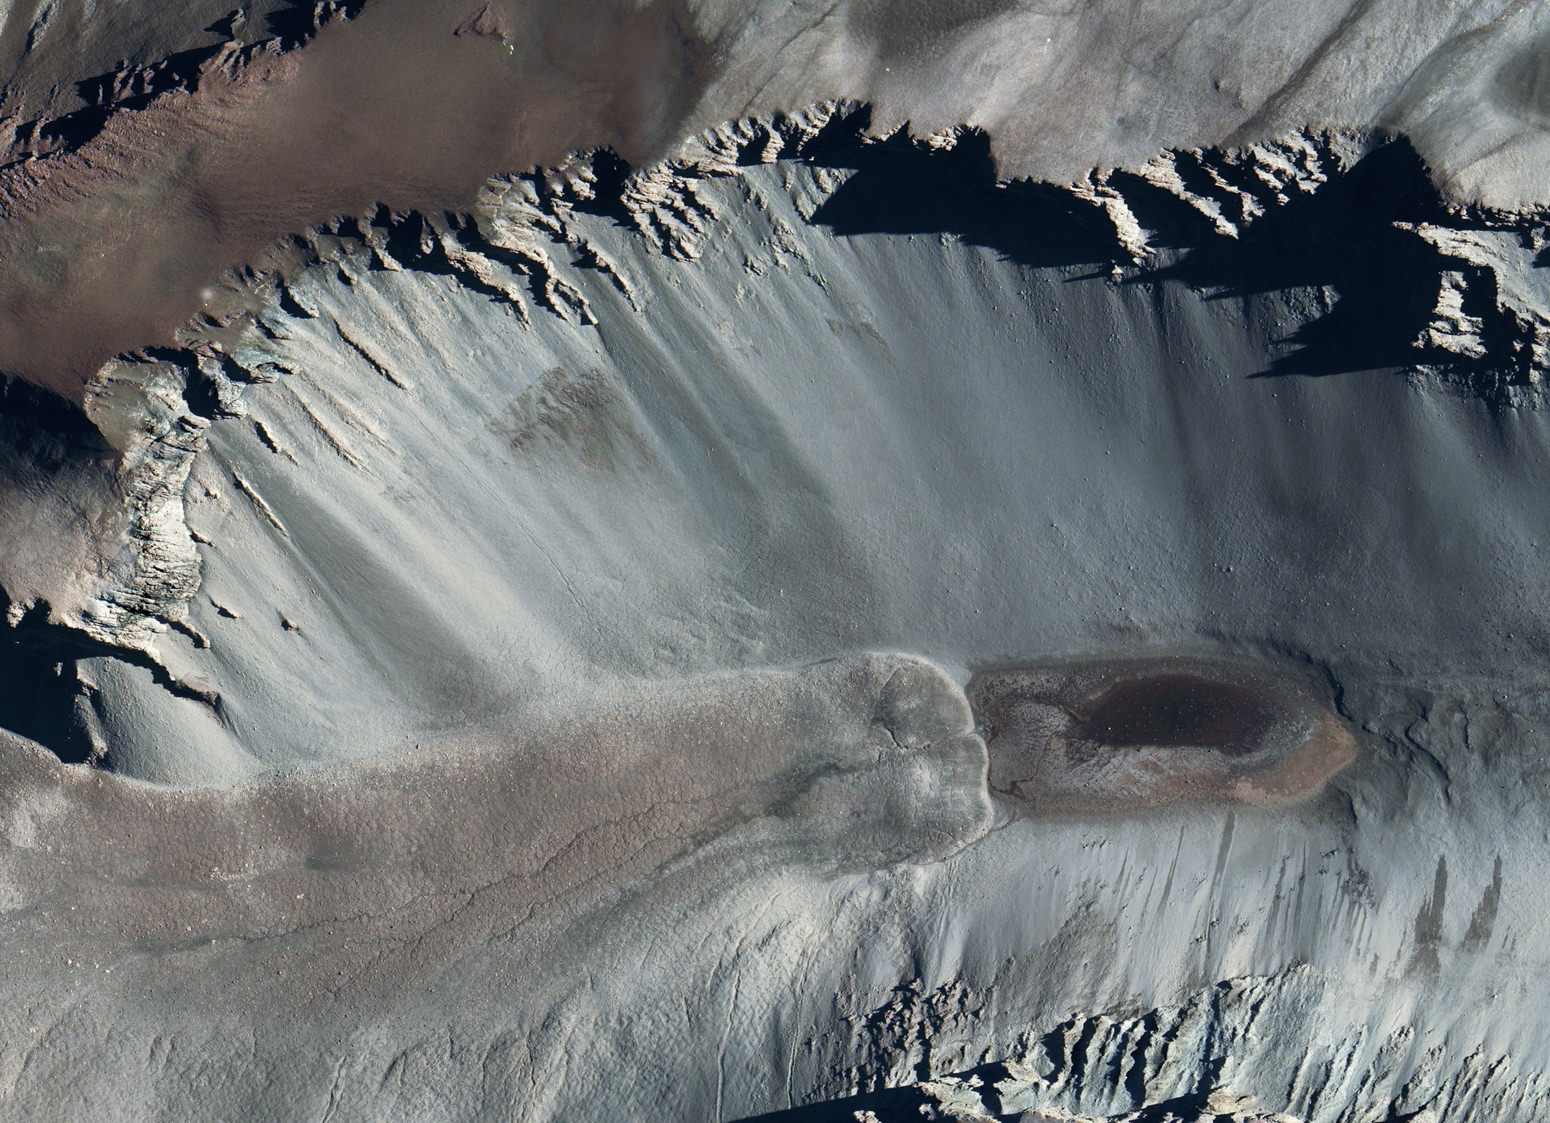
(1015, 617)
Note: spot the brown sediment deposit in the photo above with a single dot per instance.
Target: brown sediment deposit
(110, 246)
(1108, 735)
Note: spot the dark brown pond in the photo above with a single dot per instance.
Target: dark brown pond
(1174, 710)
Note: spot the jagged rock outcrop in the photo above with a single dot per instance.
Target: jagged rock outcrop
(507, 249)
(1179, 1064)
(522, 245)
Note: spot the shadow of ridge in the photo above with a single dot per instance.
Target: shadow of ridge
(909, 1105)
(1342, 239)
(299, 21)
(45, 698)
(292, 25)
(49, 446)
(894, 1105)
(902, 186)
(41, 695)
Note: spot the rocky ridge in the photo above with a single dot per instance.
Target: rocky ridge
(1479, 285)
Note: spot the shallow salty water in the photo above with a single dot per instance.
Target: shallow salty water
(1132, 734)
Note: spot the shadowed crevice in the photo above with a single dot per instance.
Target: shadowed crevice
(1341, 237)
(900, 186)
(42, 696)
